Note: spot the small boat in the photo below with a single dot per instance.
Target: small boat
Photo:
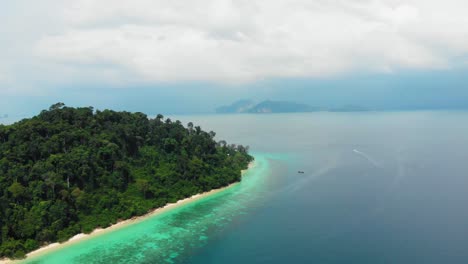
(300, 172)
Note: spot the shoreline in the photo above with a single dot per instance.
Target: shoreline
(99, 231)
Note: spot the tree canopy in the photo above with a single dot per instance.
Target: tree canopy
(71, 170)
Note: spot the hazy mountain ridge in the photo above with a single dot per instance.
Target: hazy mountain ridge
(280, 107)
(241, 106)
(269, 106)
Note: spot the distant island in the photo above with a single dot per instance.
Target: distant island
(70, 170)
(241, 106)
(268, 106)
(3, 116)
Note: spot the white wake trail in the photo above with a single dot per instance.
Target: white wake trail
(366, 157)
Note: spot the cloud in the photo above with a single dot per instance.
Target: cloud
(244, 40)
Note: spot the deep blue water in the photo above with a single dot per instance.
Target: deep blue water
(377, 188)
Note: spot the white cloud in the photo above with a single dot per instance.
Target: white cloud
(246, 40)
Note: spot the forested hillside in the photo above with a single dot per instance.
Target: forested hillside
(71, 170)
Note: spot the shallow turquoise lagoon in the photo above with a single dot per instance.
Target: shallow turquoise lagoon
(171, 236)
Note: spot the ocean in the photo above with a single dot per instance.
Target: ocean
(377, 187)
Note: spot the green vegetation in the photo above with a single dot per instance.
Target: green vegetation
(71, 170)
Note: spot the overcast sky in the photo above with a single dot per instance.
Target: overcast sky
(208, 51)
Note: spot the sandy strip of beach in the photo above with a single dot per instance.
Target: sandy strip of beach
(98, 231)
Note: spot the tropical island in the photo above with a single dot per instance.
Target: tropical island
(269, 106)
(71, 170)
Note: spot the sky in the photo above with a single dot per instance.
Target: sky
(183, 56)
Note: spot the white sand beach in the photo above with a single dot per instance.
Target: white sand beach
(98, 231)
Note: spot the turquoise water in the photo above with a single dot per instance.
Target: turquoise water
(376, 188)
(171, 236)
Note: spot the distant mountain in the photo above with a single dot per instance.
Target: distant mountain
(248, 106)
(268, 106)
(281, 107)
(3, 116)
(241, 106)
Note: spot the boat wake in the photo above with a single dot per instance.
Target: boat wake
(366, 157)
